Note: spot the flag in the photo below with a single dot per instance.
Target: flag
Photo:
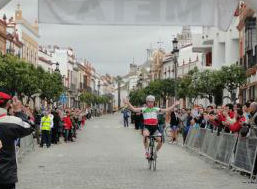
(3, 3)
(138, 12)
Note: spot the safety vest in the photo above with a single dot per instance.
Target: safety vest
(46, 124)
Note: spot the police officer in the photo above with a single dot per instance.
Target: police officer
(11, 128)
(46, 125)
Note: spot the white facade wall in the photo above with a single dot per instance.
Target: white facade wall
(133, 82)
(123, 94)
(46, 66)
(186, 54)
(223, 45)
(60, 56)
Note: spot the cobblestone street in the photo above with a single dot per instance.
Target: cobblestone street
(108, 156)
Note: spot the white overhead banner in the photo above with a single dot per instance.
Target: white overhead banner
(138, 12)
(3, 3)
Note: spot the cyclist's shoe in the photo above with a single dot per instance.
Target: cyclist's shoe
(147, 155)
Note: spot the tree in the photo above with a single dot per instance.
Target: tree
(167, 89)
(52, 86)
(209, 84)
(87, 98)
(18, 76)
(137, 97)
(233, 77)
(24, 79)
(188, 86)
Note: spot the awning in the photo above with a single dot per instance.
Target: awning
(217, 13)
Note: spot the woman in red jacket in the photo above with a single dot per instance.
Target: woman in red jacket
(67, 127)
(240, 120)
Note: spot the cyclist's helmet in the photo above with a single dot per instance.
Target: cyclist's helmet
(150, 98)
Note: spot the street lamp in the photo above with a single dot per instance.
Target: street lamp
(175, 53)
(98, 85)
(57, 67)
(140, 81)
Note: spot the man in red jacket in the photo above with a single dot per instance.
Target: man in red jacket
(67, 127)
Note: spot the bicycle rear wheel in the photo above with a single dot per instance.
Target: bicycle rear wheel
(154, 164)
(150, 164)
(154, 161)
(151, 152)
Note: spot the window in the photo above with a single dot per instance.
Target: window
(209, 59)
(250, 41)
(252, 93)
(244, 96)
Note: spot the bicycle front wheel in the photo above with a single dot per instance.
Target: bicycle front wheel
(150, 164)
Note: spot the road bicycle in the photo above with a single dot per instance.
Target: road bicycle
(152, 160)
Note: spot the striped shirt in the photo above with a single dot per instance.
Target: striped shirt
(150, 115)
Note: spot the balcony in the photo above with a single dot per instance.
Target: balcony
(198, 44)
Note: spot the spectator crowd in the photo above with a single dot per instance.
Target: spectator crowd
(236, 119)
(51, 124)
(48, 126)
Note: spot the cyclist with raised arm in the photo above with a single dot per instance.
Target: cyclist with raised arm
(150, 113)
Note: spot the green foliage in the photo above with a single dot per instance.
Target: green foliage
(233, 77)
(137, 97)
(90, 98)
(52, 86)
(18, 76)
(188, 85)
(205, 84)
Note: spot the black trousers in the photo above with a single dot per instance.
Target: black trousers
(7, 186)
(68, 135)
(137, 124)
(45, 138)
(126, 122)
(55, 135)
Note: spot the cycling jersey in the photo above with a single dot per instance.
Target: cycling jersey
(150, 116)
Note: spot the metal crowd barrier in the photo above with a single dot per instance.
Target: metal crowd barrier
(245, 154)
(26, 145)
(227, 149)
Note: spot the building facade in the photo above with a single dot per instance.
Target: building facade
(45, 59)
(247, 28)
(219, 48)
(3, 36)
(29, 35)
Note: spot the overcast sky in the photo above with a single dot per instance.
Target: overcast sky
(110, 48)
